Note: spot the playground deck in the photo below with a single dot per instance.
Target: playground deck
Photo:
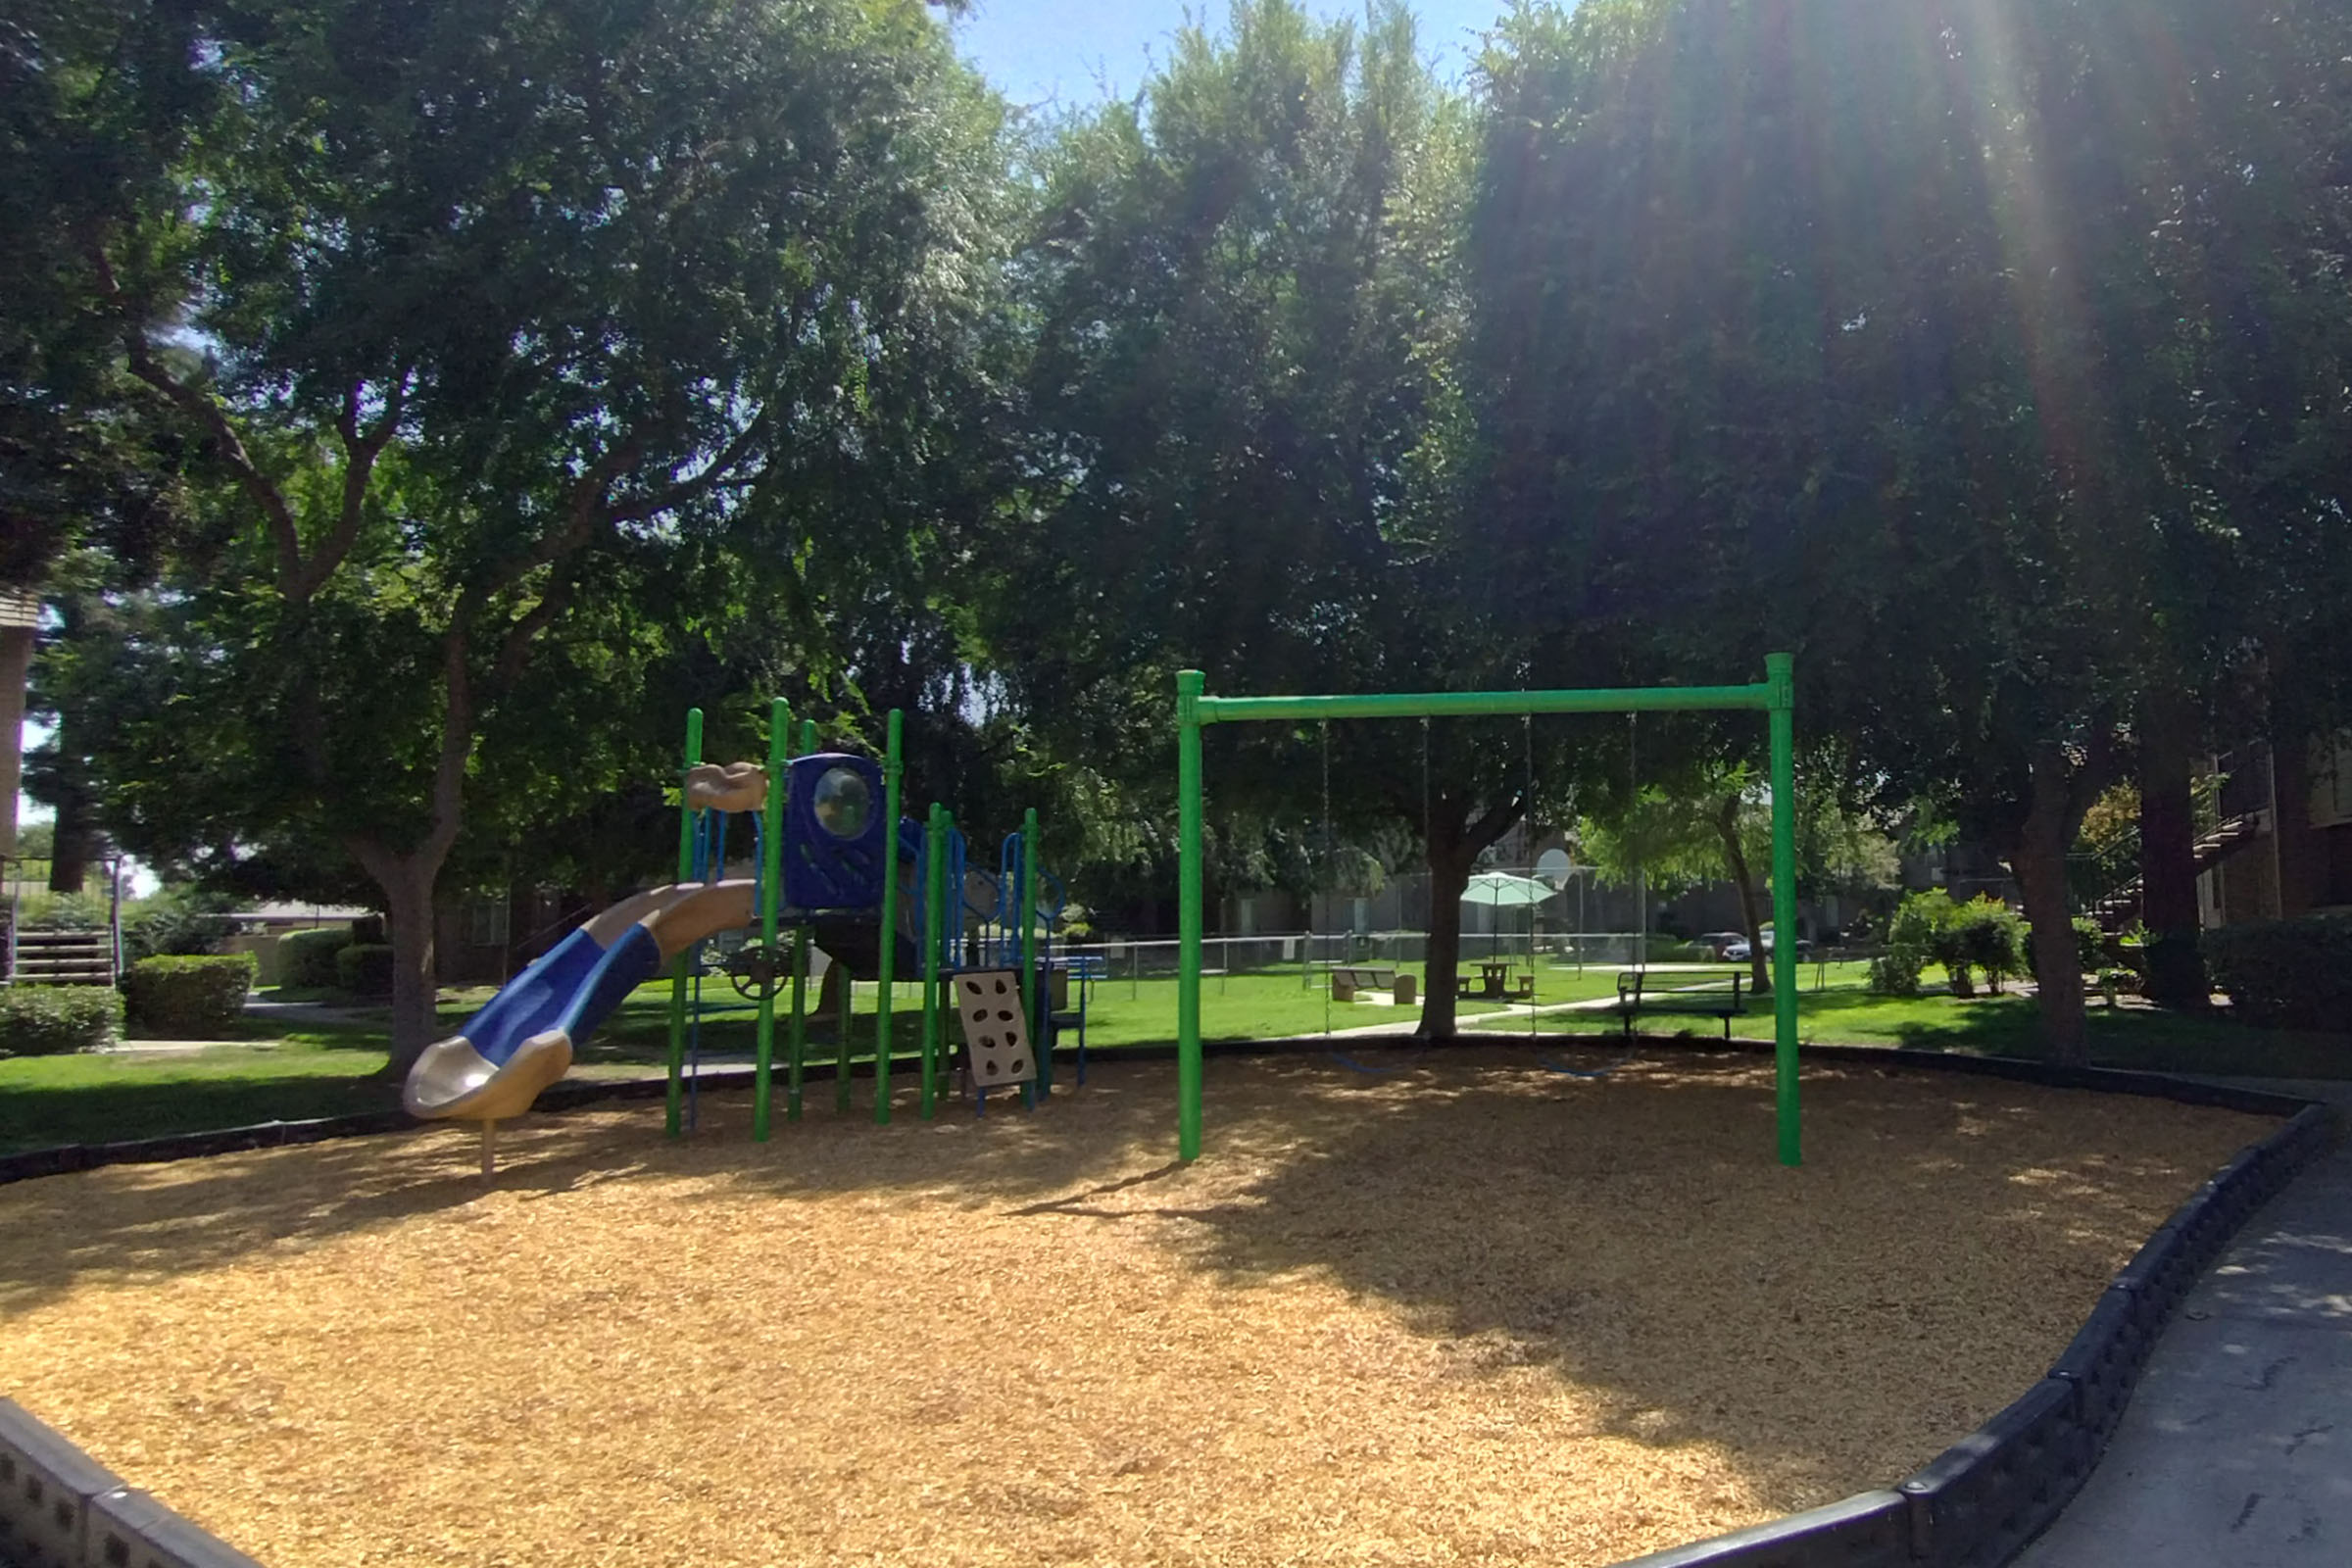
(1473, 1311)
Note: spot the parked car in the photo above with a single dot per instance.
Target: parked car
(1721, 943)
(1737, 951)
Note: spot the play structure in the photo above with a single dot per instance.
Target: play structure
(1775, 695)
(835, 870)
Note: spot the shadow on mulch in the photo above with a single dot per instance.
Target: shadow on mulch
(1632, 1232)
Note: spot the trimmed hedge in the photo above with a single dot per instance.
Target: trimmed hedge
(2297, 973)
(57, 1020)
(365, 969)
(307, 959)
(193, 996)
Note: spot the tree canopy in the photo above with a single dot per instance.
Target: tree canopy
(521, 347)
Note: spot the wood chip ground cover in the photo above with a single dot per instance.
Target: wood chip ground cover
(1473, 1312)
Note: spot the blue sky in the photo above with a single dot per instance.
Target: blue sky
(1064, 51)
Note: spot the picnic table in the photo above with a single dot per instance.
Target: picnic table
(1496, 982)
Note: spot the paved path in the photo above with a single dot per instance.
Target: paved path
(2236, 1448)
(298, 1012)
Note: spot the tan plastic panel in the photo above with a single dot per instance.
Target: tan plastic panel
(697, 910)
(735, 786)
(452, 1082)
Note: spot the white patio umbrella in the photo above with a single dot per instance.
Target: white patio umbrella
(1502, 888)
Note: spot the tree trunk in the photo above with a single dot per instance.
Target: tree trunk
(2040, 863)
(2302, 852)
(408, 882)
(1449, 874)
(74, 827)
(1735, 859)
(2168, 855)
(416, 1021)
(1454, 847)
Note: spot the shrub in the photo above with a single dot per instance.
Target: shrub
(173, 923)
(1981, 934)
(1911, 937)
(189, 996)
(1895, 973)
(1984, 934)
(2090, 944)
(2292, 972)
(307, 959)
(365, 969)
(63, 912)
(57, 1020)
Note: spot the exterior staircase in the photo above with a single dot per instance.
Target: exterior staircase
(2119, 909)
(64, 958)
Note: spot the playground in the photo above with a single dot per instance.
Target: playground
(1478, 1311)
(1550, 1300)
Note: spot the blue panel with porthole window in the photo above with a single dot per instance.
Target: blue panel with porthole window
(833, 843)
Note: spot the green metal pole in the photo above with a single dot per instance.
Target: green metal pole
(673, 1120)
(1780, 671)
(888, 960)
(935, 926)
(795, 1038)
(1029, 987)
(797, 1043)
(771, 873)
(1467, 705)
(1189, 685)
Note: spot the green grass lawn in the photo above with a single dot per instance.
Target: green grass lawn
(287, 1072)
(1119, 1012)
(48, 1100)
(1843, 1011)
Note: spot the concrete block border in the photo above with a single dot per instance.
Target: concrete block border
(59, 1509)
(1976, 1505)
(1982, 1501)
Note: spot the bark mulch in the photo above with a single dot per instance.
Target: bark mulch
(1474, 1312)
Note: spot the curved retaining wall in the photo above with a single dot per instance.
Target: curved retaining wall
(1978, 1502)
(1974, 1507)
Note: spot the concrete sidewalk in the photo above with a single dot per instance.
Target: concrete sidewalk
(2236, 1448)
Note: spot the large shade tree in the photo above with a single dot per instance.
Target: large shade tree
(1250, 445)
(1892, 334)
(497, 324)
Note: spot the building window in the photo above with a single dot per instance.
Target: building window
(2331, 781)
(485, 923)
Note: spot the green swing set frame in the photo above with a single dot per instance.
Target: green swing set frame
(1775, 695)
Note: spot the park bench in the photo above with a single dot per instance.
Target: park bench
(1708, 993)
(1346, 979)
